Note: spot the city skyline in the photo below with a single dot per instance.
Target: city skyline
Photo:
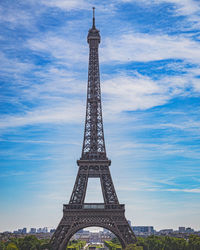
(135, 228)
(149, 64)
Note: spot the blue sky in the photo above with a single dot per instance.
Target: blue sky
(150, 76)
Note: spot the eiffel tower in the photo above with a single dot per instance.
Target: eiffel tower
(93, 164)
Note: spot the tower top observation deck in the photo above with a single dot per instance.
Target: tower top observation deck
(93, 33)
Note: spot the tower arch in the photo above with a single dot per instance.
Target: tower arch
(79, 227)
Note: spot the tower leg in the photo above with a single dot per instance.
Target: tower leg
(80, 186)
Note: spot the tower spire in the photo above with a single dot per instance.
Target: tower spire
(93, 25)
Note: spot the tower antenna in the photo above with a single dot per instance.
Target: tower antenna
(93, 26)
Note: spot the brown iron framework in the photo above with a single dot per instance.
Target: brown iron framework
(93, 164)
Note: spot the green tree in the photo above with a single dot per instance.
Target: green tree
(172, 243)
(194, 242)
(11, 246)
(142, 242)
(134, 247)
(115, 240)
(29, 242)
(2, 245)
(155, 243)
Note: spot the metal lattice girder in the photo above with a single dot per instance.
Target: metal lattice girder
(93, 171)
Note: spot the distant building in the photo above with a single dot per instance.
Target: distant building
(143, 230)
(85, 235)
(166, 231)
(52, 230)
(32, 230)
(106, 231)
(42, 230)
(24, 230)
(95, 237)
(45, 230)
(189, 230)
(19, 231)
(181, 229)
(105, 237)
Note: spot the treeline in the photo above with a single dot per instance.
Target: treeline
(169, 243)
(159, 243)
(29, 242)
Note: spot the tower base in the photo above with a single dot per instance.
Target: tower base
(79, 216)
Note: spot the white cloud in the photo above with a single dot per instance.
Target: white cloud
(67, 4)
(60, 47)
(187, 8)
(192, 190)
(57, 86)
(14, 18)
(143, 47)
(138, 92)
(13, 66)
(70, 113)
(183, 7)
(60, 99)
(153, 185)
(168, 147)
(126, 93)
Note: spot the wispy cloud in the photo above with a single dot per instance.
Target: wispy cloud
(193, 190)
(14, 173)
(139, 92)
(70, 113)
(182, 7)
(56, 44)
(144, 47)
(13, 18)
(131, 93)
(68, 5)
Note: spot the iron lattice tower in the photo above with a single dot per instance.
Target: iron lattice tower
(93, 164)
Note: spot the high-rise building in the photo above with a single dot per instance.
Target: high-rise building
(181, 229)
(106, 231)
(32, 231)
(143, 230)
(42, 230)
(189, 230)
(45, 230)
(24, 230)
(166, 231)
